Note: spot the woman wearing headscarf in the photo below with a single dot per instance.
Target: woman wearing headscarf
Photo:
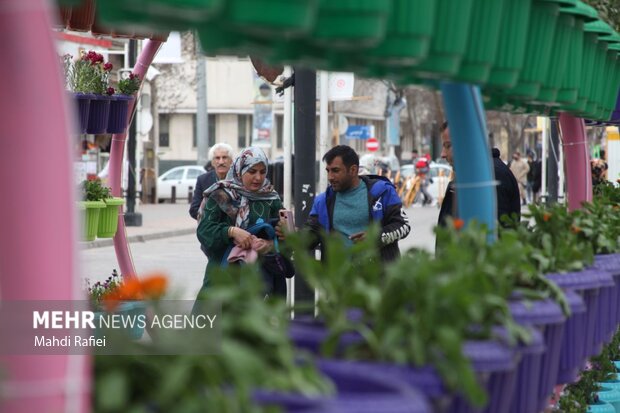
(235, 204)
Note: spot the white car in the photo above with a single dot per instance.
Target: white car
(180, 177)
(439, 173)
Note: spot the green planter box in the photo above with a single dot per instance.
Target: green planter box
(90, 211)
(511, 45)
(482, 41)
(543, 21)
(449, 43)
(409, 31)
(108, 218)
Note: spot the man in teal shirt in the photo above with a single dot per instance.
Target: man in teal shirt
(352, 202)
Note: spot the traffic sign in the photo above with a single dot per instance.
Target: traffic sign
(372, 144)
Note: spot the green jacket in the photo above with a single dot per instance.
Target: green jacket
(212, 231)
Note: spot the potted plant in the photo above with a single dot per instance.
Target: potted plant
(126, 90)
(87, 78)
(418, 318)
(93, 194)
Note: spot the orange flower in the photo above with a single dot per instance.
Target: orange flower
(546, 217)
(575, 229)
(458, 224)
(154, 286)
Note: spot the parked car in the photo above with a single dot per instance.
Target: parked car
(180, 177)
(439, 173)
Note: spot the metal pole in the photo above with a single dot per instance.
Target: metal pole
(202, 118)
(543, 160)
(305, 143)
(324, 126)
(132, 218)
(287, 142)
(552, 163)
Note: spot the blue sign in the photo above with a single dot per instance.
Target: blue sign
(359, 132)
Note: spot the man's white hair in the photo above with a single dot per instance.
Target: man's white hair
(221, 146)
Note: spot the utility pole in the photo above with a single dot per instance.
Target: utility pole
(132, 218)
(202, 118)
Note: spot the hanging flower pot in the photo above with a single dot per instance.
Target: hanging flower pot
(119, 113)
(408, 36)
(90, 218)
(449, 42)
(98, 114)
(271, 17)
(83, 17)
(511, 45)
(543, 21)
(571, 79)
(590, 42)
(82, 102)
(64, 16)
(482, 41)
(108, 217)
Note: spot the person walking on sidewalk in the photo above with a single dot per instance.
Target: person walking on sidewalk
(351, 202)
(520, 168)
(234, 205)
(220, 157)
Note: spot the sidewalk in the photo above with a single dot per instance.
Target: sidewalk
(158, 221)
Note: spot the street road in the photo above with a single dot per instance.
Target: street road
(182, 261)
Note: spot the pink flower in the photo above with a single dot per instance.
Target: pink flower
(110, 91)
(107, 67)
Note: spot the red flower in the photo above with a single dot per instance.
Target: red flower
(110, 91)
(107, 67)
(546, 217)
(458, 224)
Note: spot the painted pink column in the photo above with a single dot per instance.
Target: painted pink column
(121, 246)
(577, 161)
(38, 251)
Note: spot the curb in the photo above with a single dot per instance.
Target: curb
(108, 242)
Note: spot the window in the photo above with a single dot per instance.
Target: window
(211, 121)
(164, 129)
(242, 131)
(194, 173)
(174, 175)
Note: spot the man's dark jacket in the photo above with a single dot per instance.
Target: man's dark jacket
(508, 198)
(384, 206)
(203, 182)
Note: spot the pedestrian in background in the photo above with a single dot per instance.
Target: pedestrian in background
(520, 168)
(220, 157)
(351, 202)
(235, 204)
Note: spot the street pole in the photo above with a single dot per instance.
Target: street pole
(132, 218)
(202, 118)
(324, 125)
(304, 165)
(552, 163)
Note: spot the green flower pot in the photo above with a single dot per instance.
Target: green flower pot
(511, 44)
(543, 21)
(158, 14)
(601, 407)
(108, 218)
(559, 56)
(271, 17)
(449, 43)
(597, 81)
(482, 41)
(590, 41)
(90, 218)
(610, 394)
(408, 36)
(350, 23)
(572, 77)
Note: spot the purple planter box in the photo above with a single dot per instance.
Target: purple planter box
(586, 283)
(546, 315)
(528, 375)
(572, 355)
(82, 101)
(295, 403)
(98, 114)
(611, 264)
(119, 113)
(364, 389)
